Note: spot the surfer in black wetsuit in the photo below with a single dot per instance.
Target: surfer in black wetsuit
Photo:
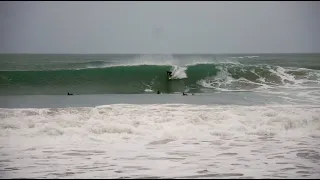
(69, 94)
(169, 74)
(184, 94)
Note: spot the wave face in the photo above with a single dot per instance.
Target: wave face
(147, 74)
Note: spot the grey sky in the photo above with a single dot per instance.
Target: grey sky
(159, 27)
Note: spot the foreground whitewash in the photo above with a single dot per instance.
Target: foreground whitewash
(173, 140)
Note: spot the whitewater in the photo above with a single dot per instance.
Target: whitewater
(252, 116)
(165, 141)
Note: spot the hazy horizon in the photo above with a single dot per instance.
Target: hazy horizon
(159, 27)
(308, 53)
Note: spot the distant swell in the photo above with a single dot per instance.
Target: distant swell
(148, 78)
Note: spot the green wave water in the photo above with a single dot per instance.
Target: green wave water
(119, 74)
(120, 79)
(151, 78)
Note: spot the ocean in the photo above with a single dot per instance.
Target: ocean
(245, 116)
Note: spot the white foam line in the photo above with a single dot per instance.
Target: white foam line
(120, 122)
(162, 64)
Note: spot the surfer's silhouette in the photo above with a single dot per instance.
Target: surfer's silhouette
(169, 74)
(184, 94)
(69, 94)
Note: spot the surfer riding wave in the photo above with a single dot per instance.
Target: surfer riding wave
(169, 74)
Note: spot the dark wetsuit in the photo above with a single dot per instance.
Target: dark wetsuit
(169, 74)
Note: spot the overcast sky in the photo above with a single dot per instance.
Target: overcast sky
(159, 27)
